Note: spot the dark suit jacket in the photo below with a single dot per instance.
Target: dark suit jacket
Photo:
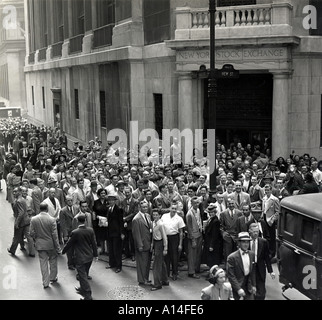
(129, 211)
(141, 231)
(242, 225)
(20, 213)
(37, 197)
(212, 235)
(83, 244)
(235, 272)
(263, 259)
(115, 222)
(309, 187)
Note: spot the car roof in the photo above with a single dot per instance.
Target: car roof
(309, 205)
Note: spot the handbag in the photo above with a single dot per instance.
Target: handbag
(102, 221)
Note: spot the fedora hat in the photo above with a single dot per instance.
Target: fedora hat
(268, 176)
(52, 179)
(212, 207)
(244, 236)
(256, 207)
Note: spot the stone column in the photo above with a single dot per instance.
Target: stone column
(280, 126)
(185, 102)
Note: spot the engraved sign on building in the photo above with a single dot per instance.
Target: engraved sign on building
(236, 55)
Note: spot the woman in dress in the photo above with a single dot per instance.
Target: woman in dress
(100, 227)
(220, 288)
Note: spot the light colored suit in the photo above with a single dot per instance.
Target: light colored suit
(52, 211)
(43, 229)
(244, 200)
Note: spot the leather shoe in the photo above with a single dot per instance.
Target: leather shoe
(12, 253)
(133, 258)
(46, 287)
(23, 249)
(193, 276)
(165, 283)
(89, 278)
(174, 277)
(31, 255)
(79, 290)
(55, 280)
(154, 288)
(117, 270)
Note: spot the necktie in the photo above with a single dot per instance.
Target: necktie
(220, 206)
(253, 246)
(245, 252)
(238, 199)
(147, 221)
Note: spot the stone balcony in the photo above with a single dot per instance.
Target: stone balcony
(260, 20)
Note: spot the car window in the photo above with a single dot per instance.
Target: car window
(289, 222)
(307, 232)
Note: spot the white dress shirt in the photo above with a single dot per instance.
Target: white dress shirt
(246, 262)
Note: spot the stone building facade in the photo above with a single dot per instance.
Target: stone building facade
(12, 54)
(92, 66)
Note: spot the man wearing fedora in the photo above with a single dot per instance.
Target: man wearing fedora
(59, 194)
(270, 207)
(241, 270)
(213, 242)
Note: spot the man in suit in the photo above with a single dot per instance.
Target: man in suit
(21, 224)
(241, 271)
(228, 222)
(262, 261)
(91, 195)
(66, 217)
(220, 204)
(162, 201)
(255, 191)
(24, 155)
(241, 198)
(59, 194)
(245, 220)
(54, 208)
(43, 229)
(36, 195)
(271, 207)
(115, 232)
(130, 209)
(79, 194)
(194, 229)
(142, 236)
(310, 186)
(82, 243)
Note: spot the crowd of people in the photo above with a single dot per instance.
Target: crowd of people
(160, 207)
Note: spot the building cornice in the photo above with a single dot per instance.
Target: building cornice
(239, 42)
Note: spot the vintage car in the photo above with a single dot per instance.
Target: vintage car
(299, 244)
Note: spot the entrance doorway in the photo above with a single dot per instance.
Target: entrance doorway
(243, 109)
(57, 108)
